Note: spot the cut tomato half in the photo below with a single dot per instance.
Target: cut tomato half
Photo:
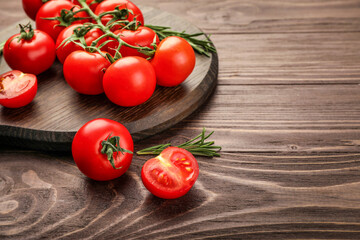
(17, 89)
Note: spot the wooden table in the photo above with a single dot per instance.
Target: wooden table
(286, 112)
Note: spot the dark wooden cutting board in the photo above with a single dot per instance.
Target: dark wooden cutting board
(57, 112)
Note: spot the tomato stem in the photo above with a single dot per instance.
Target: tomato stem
(120, 16)
(110, 146)
(197, 146)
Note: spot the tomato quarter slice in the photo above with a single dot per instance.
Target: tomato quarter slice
(171, 174)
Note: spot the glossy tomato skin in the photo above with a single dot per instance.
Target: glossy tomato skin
(174, 60)
(84, 72)
(53, 9)
(31, 7)
(110, 5)
(171, 174)
(143, 37)
(129, 81)
(30, 56)
(64, 50)
(86, 149)
(17, 89)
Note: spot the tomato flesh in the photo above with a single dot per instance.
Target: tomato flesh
(171, 174)
(17, 89)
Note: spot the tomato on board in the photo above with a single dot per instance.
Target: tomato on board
(64, 50)
(171, 174)
(17, 89)
(129, 81)
(110, 5)
(143, 37)
(31, 7)
(84, 72)
(53, 9)
(174, 60)
(88, 144)
(33, 55)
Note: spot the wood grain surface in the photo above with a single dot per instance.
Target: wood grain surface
(57, 112)
(286, 111)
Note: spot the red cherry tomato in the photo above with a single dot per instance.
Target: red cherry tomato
(64, 50)
(53, 9)
(84, 72)
(110, 5)
(129, 81)
(174, 60)
(17, 89)
(31, 7)
(171, 174)
(87, 146)
(143, 37)
(30, 56)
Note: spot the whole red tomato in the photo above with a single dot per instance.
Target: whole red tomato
(17, 89)
(32, 54)
(129, 81)
(31, 7)
(64, 50)
(142, 36)
(93, 154)
(53, 9)
(171, 174)
(84, 72)
(174, 60)
(110, 5)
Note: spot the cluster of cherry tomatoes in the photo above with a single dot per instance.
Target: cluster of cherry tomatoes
(104, 47)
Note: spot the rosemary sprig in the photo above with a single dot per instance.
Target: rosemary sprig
(197, 146)
(204, 47)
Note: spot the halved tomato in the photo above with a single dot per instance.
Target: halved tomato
(171, 174)
(17, 89)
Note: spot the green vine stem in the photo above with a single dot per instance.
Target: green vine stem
(197, 146)
(67, 17)
(108, 33)
(204, 47)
